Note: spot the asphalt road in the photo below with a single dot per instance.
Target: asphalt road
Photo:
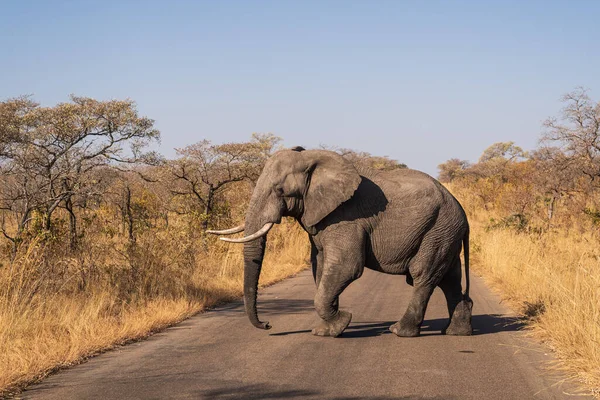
(219, 355)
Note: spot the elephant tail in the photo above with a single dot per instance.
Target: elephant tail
(466, 255)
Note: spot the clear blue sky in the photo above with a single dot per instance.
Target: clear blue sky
(420, 82)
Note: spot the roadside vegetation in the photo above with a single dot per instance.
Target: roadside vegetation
(535, 220)
(102, 240)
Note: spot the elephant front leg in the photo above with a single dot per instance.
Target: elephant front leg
(340, 267)
(410, 324)
(333, 321)
(335, 326)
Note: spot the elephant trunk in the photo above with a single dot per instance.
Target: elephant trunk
(254, 251)
(264, 210)
(253, 258)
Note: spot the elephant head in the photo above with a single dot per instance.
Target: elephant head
(305, 184)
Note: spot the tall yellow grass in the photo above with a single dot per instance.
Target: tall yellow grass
(56, 310)
(554, 278)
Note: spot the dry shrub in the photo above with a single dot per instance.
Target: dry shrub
(556, 279)
(553, 277)
(58, 307)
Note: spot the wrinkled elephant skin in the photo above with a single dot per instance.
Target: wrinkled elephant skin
(400, 222)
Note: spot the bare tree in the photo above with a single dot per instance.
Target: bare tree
(555, 176)
(57, 148)
(204, 170)
(577, 132)
(18, 199)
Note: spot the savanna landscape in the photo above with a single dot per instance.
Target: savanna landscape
(448, 150)
(104, 242)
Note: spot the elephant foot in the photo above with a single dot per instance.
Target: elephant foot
(460, 324)
(322, 329)
(334, 327)
(405, 330)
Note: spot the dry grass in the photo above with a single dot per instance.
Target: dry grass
(555, 278)
(56, 309)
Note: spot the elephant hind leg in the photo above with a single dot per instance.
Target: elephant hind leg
(410, 324)
(459, 307)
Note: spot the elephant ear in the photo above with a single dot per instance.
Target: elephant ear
(331, 181)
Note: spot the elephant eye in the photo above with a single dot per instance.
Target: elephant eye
(278, 190)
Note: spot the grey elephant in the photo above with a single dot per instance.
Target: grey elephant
(400, 222)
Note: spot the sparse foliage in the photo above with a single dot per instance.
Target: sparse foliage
(502, 150)
(452, 169)
(205, 170)
(577, 132)
(51, 153)
(110, 230)
(364, 159)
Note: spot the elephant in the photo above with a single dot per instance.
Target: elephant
(400, 222)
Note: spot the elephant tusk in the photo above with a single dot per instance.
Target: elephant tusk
(263, 231)
(228, 231)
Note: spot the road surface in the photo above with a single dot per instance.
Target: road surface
(219, 355)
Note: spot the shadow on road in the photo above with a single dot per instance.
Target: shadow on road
(483, 324)
(270, 307)
(265, 391)
(493, 323)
